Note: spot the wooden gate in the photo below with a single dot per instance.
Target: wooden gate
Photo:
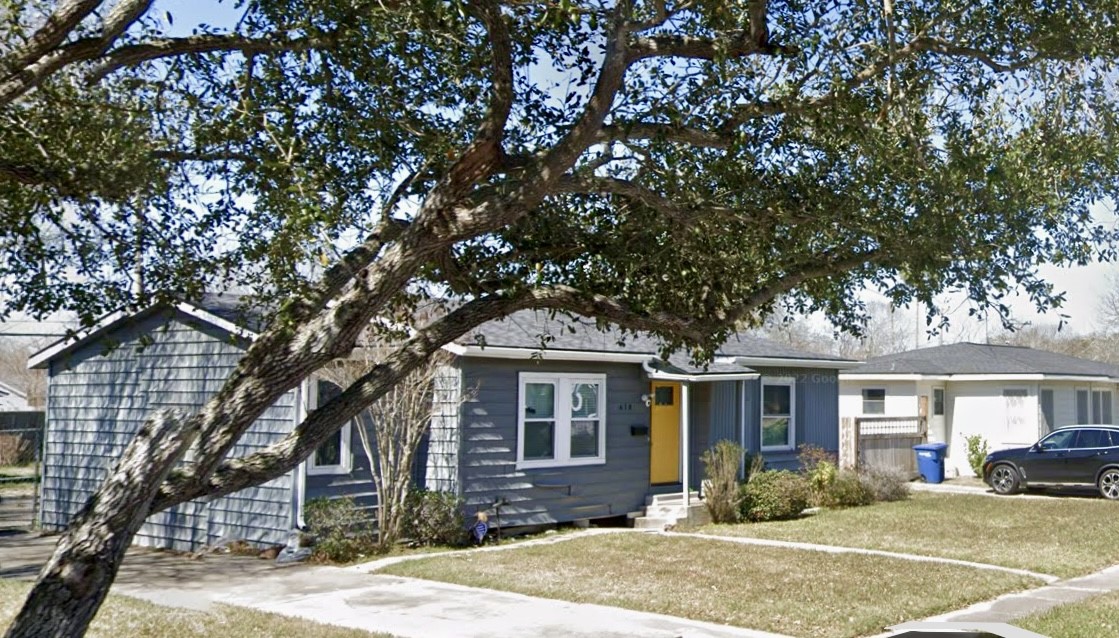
(882, 443)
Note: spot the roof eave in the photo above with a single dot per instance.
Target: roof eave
(108, 322)
(781, 362)
(507, 352)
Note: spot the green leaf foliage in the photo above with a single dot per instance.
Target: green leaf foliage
(945, 146)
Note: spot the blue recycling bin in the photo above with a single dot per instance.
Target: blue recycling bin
(930, 461)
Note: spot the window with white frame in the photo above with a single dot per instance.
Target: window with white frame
(874, 401)
(1101, 406)
(561, 419)
(332, 456)
(938, 401)
(1082, 402)
(778, 413)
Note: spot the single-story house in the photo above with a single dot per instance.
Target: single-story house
(585, 428)
(1009, 395)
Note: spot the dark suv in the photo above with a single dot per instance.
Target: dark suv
(1075, 454)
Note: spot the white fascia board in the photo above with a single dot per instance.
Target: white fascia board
(777, 362)
(502, 352)
(39, 359)
(1033, 377)
(211, 318)
(887, 376)
(702, 378)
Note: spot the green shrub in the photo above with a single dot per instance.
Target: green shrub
(820, 468)
(976, 452)
(342, 531)
(847, 489)
(886, 485)
(435, 518)
(774, 495)
(721, 464)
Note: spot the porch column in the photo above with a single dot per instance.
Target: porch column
(685, 432)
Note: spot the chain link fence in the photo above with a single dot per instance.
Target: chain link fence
(21, 448)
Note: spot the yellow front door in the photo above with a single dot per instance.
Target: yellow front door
(664, 433)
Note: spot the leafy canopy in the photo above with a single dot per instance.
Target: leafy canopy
(745, 152)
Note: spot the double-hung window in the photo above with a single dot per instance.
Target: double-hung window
(778, 413)
(561, 419)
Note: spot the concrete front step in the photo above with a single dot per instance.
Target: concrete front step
(653, 522)
(662, 516)
(675, 498)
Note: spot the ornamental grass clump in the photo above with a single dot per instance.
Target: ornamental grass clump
(721, 494)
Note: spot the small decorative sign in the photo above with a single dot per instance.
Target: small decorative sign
(481, 528)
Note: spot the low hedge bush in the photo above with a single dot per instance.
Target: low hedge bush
(774, 495)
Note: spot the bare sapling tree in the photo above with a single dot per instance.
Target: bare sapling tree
(392, 428)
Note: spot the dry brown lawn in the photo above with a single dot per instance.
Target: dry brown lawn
(121, 616)
(795, 592)
(1065, 536)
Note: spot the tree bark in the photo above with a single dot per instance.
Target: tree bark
(74, 583)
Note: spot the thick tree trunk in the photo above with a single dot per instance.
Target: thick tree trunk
(74, 583)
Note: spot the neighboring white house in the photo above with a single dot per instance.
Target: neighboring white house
(1008, 394)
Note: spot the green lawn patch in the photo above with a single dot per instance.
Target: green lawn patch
(123, 616)
(1061, 536)
(1090, 618)
(795, 592)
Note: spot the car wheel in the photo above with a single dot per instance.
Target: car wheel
(1109, 484)
(1004, 479)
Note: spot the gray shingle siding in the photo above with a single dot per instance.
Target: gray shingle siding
(98, 396)
(488, 448)
(445, 436)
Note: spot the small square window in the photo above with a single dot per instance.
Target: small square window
(874, 401)
(663, 395)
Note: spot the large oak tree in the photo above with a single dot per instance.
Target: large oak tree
(669, 166)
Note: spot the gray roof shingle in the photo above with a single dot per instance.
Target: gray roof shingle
(531, 329)
(978, 358)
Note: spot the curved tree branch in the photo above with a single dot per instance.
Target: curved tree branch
(134, 54)
(627, 131)
(57, 27)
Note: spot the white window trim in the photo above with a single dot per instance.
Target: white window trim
(1076, 405)
(346, 466)
(562, 446)
(790, 443)
(1104, 392)
(883, 402)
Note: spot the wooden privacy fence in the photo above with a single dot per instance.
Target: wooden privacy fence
(881, 443)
